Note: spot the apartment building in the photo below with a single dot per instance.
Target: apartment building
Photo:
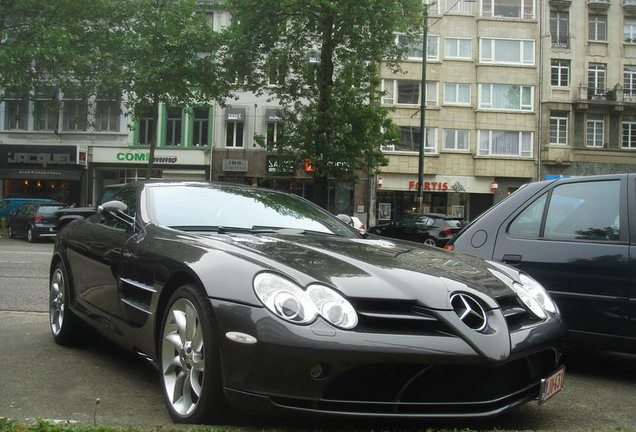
(588, 97)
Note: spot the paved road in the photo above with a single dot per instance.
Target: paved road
(39, 379)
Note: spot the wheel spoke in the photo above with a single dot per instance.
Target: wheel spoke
(180, 321)
(175, 340)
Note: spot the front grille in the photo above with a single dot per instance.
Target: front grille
(397, 317)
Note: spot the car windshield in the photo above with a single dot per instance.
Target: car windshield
(453, 223)
(208, 207)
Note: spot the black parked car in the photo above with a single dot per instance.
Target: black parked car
(260, 300)
(34, 220)
(429, 228)
(577, 237)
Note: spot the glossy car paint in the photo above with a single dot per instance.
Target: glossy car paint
(591, 281)
(121, 281)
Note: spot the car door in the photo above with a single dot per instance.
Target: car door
(574, 239)
(631, 193)
(21, 218)
(96, 254)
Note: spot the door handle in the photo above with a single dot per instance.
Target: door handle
(512, 259)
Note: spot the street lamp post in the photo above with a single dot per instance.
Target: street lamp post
(420, 169)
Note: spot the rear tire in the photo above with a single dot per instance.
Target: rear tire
(190, 366)
(429, 241)
(31, 237)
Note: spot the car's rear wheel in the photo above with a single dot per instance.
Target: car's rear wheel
(190, 362)
(65, 326)
(429, 241)
(31, 237)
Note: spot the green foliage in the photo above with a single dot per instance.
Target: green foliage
(329, 102)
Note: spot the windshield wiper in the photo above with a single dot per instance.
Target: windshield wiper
(225, 229)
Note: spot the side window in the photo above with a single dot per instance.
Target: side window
(528, 223)
(584, 211)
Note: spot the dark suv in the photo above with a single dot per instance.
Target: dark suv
(577, 237)
(429, 228)
(34, 220)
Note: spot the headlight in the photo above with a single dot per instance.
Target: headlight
(534, 296)
(293, 304)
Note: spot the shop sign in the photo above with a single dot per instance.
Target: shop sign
(145, 157)
(429, 186)
(235, 165)
(277, 166)
(82, 154)
(43, 156)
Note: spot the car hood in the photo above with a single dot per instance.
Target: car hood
(376, 268)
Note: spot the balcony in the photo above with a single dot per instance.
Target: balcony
(561, 4)
(615, 98)
(598, 5)
(629, 6)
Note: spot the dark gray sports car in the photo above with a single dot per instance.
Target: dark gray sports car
(254, 299)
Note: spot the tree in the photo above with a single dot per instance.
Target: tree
(168, 58)
(323, 59)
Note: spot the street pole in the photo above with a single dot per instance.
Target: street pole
(420, 171)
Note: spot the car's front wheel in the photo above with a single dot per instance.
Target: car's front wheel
(65, 327)
(190, 362)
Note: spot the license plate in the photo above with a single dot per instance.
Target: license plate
(552, 385)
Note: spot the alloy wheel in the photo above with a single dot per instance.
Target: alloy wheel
(182, 357)
(56, 301)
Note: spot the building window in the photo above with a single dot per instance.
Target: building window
(412, 46)
(411, 139)
(596, 80)
(403, 92)
(462, 6)
(629, 30)
(559, 29)
(559, 128)
(560, 74)
(629, 133)
(173, 127)
(456, 139)
(523, 9)
(598, 28)
(146, 129)
(234, 134)
(16, 114)
(629, 83)
(506, 97)
(201, 124)
(75, 115)
(505, 143)
(433, 6)
(107, 116)
(457, 94)
(507, 51)
(457, 48)
(595, 130)
(45, 115)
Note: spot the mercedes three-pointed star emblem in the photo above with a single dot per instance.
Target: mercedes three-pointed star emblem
(469, 311)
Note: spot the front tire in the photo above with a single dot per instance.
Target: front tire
(189, 361)
(64, 325)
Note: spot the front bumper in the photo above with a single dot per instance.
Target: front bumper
(321, 370)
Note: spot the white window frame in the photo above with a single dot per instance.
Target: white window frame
(74, 109)
(233, 126)
(391, 86)
(597, 28)
(45, 118)
(454, 135)
(558, 129)
(488, 51)
(629, 83)
(527, 9)
(488, 151)
(595, 131)
(563, 67)
(456, 45)
(487, 99)
(629, 31)
(174, 128)
(16, 114)
(560, 36)
(456, 92)
(430, 146)
(596, 78)
(107, 115)
(200, 127)
(459, 6)
(433, 6)
(628, 133)
(432, 46)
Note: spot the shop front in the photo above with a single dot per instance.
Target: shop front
(43, 171)
(112, 165)
(461, 196)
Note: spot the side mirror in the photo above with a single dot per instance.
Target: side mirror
(117, 210)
